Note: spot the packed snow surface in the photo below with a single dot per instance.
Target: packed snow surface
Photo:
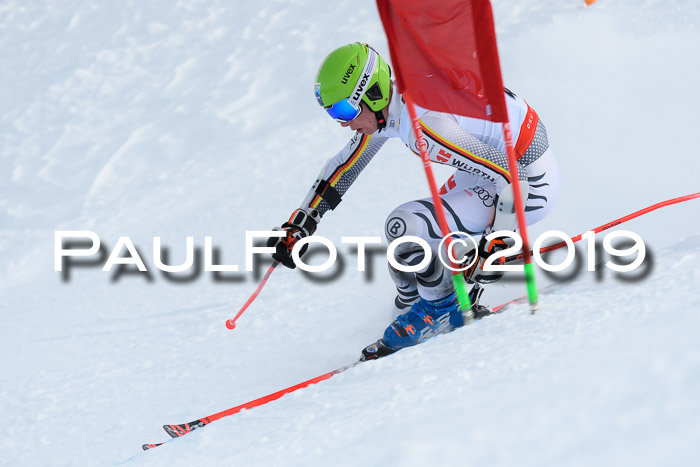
(197, 118)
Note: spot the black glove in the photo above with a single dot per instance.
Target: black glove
(300, 225)
(476, 272)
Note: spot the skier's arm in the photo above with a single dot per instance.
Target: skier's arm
(340, 172)
(326, 193)
(450, 145)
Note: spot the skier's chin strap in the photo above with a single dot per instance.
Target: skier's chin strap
(381, 121)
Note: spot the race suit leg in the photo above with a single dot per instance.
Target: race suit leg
(545, 185)
(469, 204)
(465, 211)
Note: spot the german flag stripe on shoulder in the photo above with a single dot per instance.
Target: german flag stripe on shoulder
(433, 135)
(343, 168)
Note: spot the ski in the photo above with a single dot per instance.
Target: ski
(146, 447)
(176, 431)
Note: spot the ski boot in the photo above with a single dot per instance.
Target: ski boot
(478, 310)
(425, 319)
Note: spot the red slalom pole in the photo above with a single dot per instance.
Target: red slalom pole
(231, 323)
(520, 214)
(457, 276)
(614, 223)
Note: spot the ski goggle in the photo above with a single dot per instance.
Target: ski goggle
(343, 111)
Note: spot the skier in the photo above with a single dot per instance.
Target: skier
(354, 86)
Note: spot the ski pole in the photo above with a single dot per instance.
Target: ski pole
(619, 221)
(231, 323)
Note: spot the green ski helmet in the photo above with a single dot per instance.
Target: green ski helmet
(351, 74)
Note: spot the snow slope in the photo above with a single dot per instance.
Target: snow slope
(197, 119)
(592, 380)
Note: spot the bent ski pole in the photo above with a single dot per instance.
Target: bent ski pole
(610, 224)
(231, 323)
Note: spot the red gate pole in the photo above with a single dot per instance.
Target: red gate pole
(457, 276)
